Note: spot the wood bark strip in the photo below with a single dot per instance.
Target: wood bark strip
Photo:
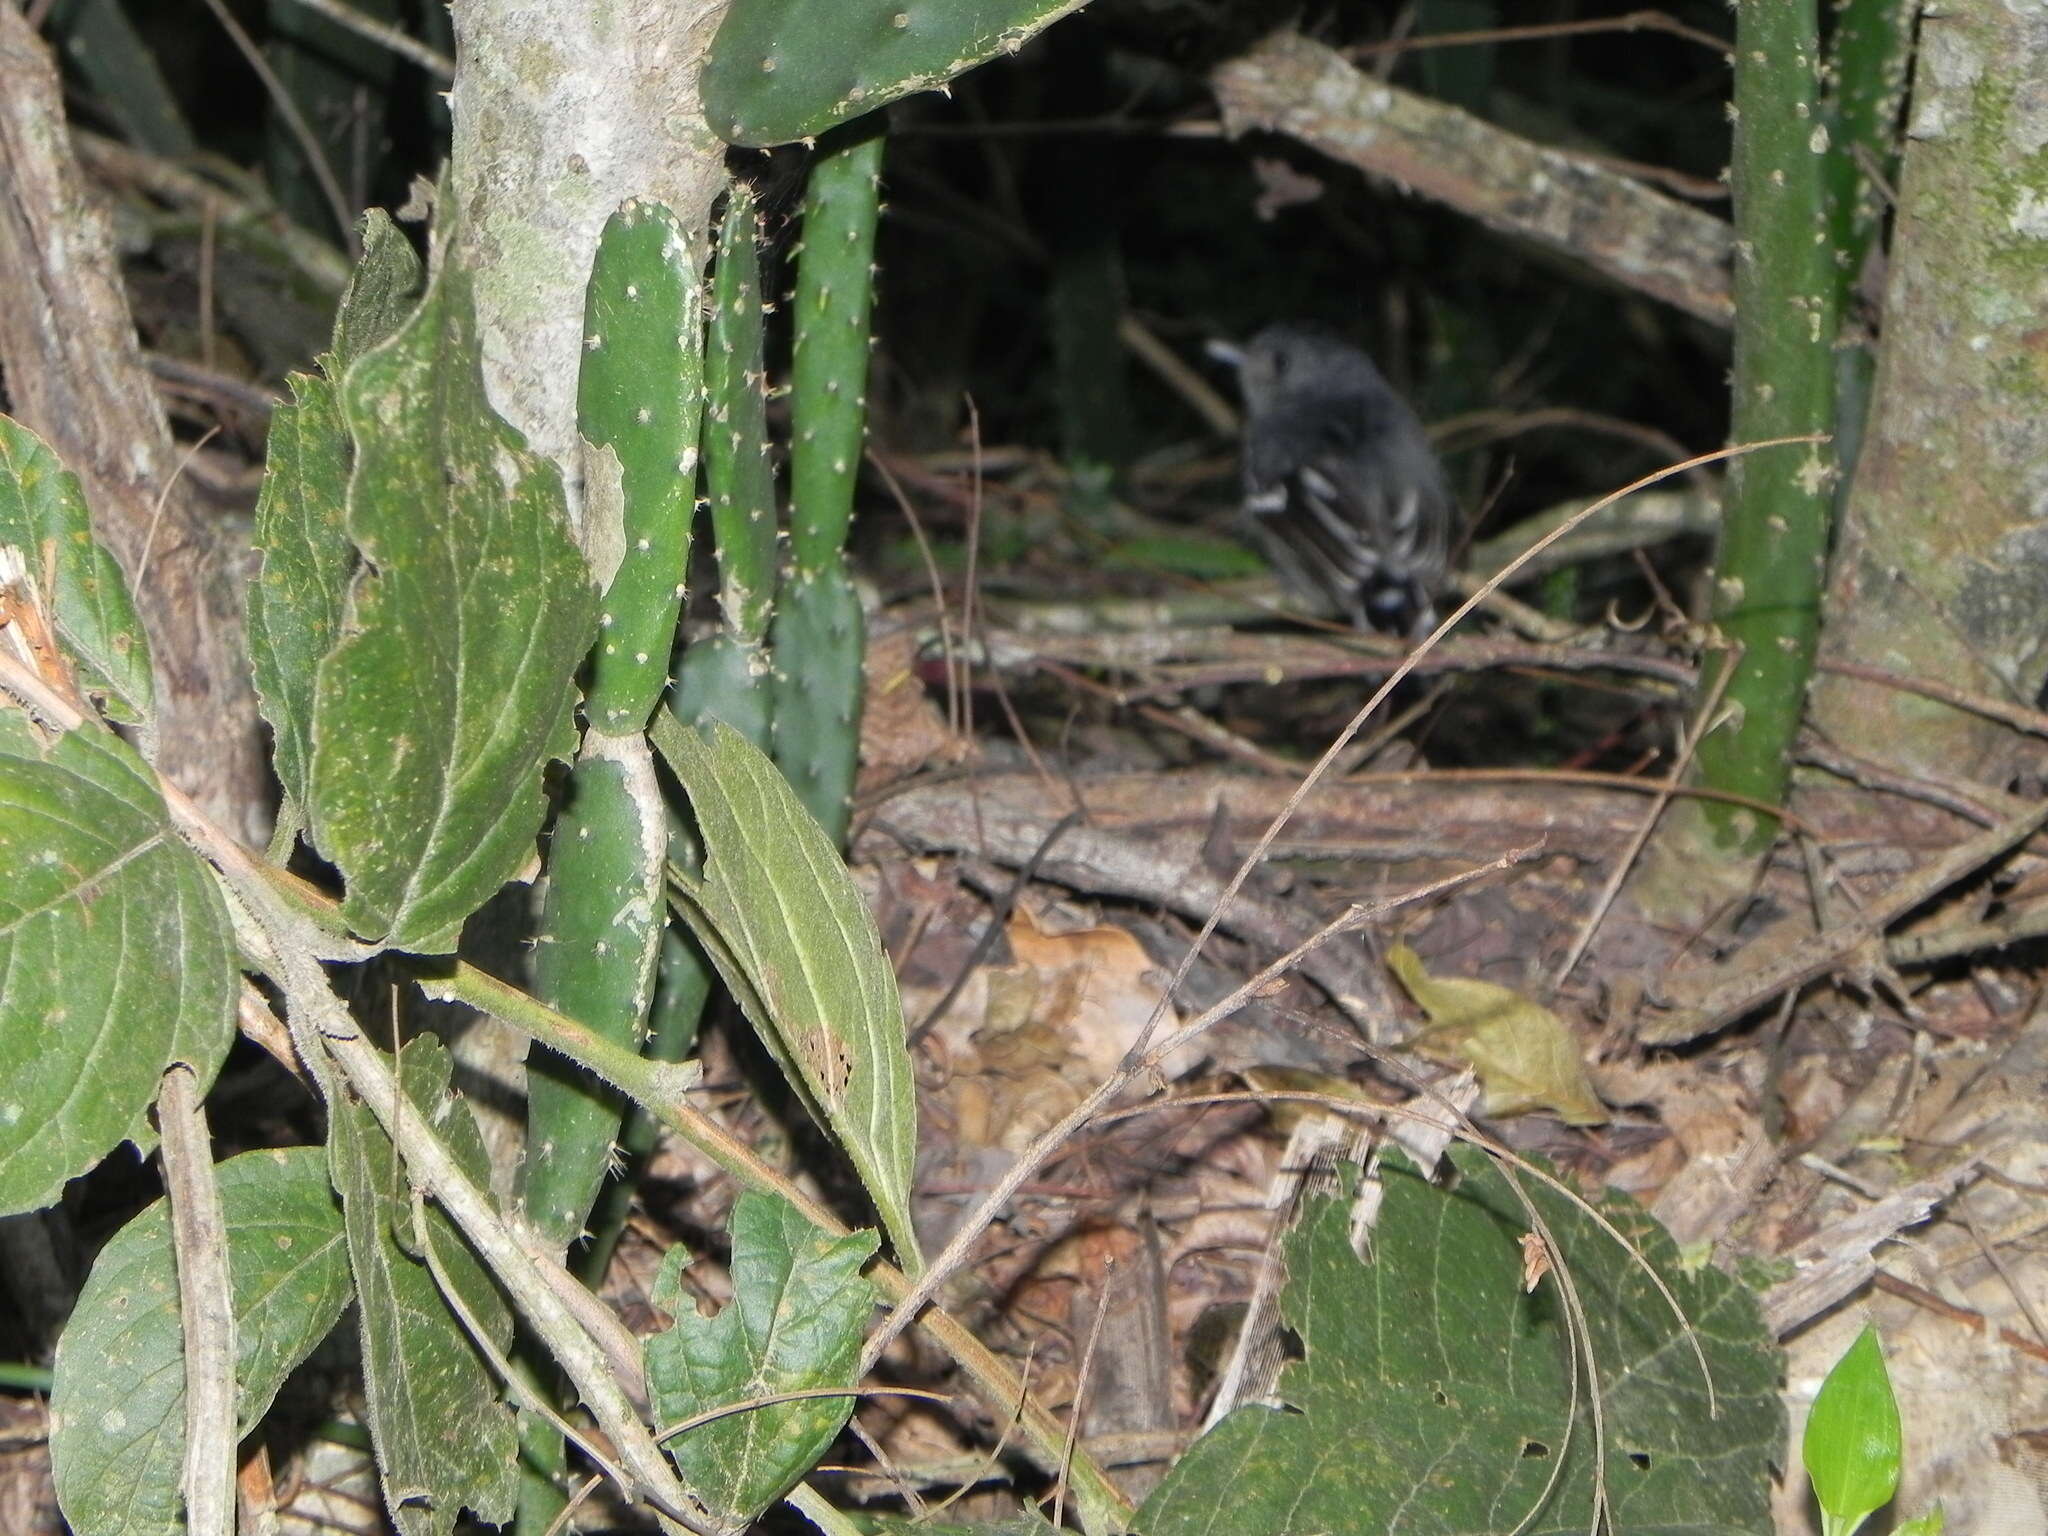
(1567, 203)
(75, 376)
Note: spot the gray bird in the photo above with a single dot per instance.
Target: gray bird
(1342, 491)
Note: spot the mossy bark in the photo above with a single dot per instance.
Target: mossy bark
(1943, 565)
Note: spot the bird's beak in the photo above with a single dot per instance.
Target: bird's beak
(1226, 352)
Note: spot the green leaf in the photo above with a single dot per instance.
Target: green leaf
(796, 944)
(1434, 1396)
(299, 598)
(444, 1440)
(116, 958)
(1851, 1446)
(117, 1410)
(1028, 1523)
(453, 684)
(799, 1307)
(781, 70)
(1930, 1524)
(42, 514)
(382, 292)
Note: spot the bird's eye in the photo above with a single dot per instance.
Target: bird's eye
(1279, 365)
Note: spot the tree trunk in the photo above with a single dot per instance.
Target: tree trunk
(74, 375)
(562, 112)
(1942, 572)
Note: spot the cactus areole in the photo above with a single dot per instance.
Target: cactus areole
(782, 70)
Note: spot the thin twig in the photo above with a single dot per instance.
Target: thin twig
(156, 517)
(294, 121)
(1081, 1380)
(998, 917)
(2032, 721)
(1920, 1296)
(206, 1304)
(1702, 722)
(385, 36)
(955, 683)
(1196, 392)
(1990, 1252)
(1634, 21)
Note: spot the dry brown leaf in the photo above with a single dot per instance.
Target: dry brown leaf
(901, 729)
(1097, 988)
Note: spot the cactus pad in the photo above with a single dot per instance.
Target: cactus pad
(782, 70)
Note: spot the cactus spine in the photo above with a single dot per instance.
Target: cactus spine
(818, 628)
(639, 400)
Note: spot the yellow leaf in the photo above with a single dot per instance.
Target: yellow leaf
(1525, 1055)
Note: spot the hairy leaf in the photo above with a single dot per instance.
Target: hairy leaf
(117, 1410)
(786, 926)
(795, 1320)
(116, 958)
(299, 597)
(43, 516)
(1435, 1396)
(453, 684)
(382, 291)
(444, 1440)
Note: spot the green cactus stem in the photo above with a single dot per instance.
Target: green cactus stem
(818, 641)
(639, 400)
(818, 635)
(829, 368)
(724, 676)
(782, 70)
(638, 404)
(1872, 51)
(601, 921)
(737, 472)
(1774, 536)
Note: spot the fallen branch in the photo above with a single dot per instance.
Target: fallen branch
(1703, 1000)
(1564, 202)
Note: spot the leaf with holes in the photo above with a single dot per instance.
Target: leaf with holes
(444, 1440)
(1435, 1396)
(117, 1409)
(43, 517)
(116, 957)
(795, 1320)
